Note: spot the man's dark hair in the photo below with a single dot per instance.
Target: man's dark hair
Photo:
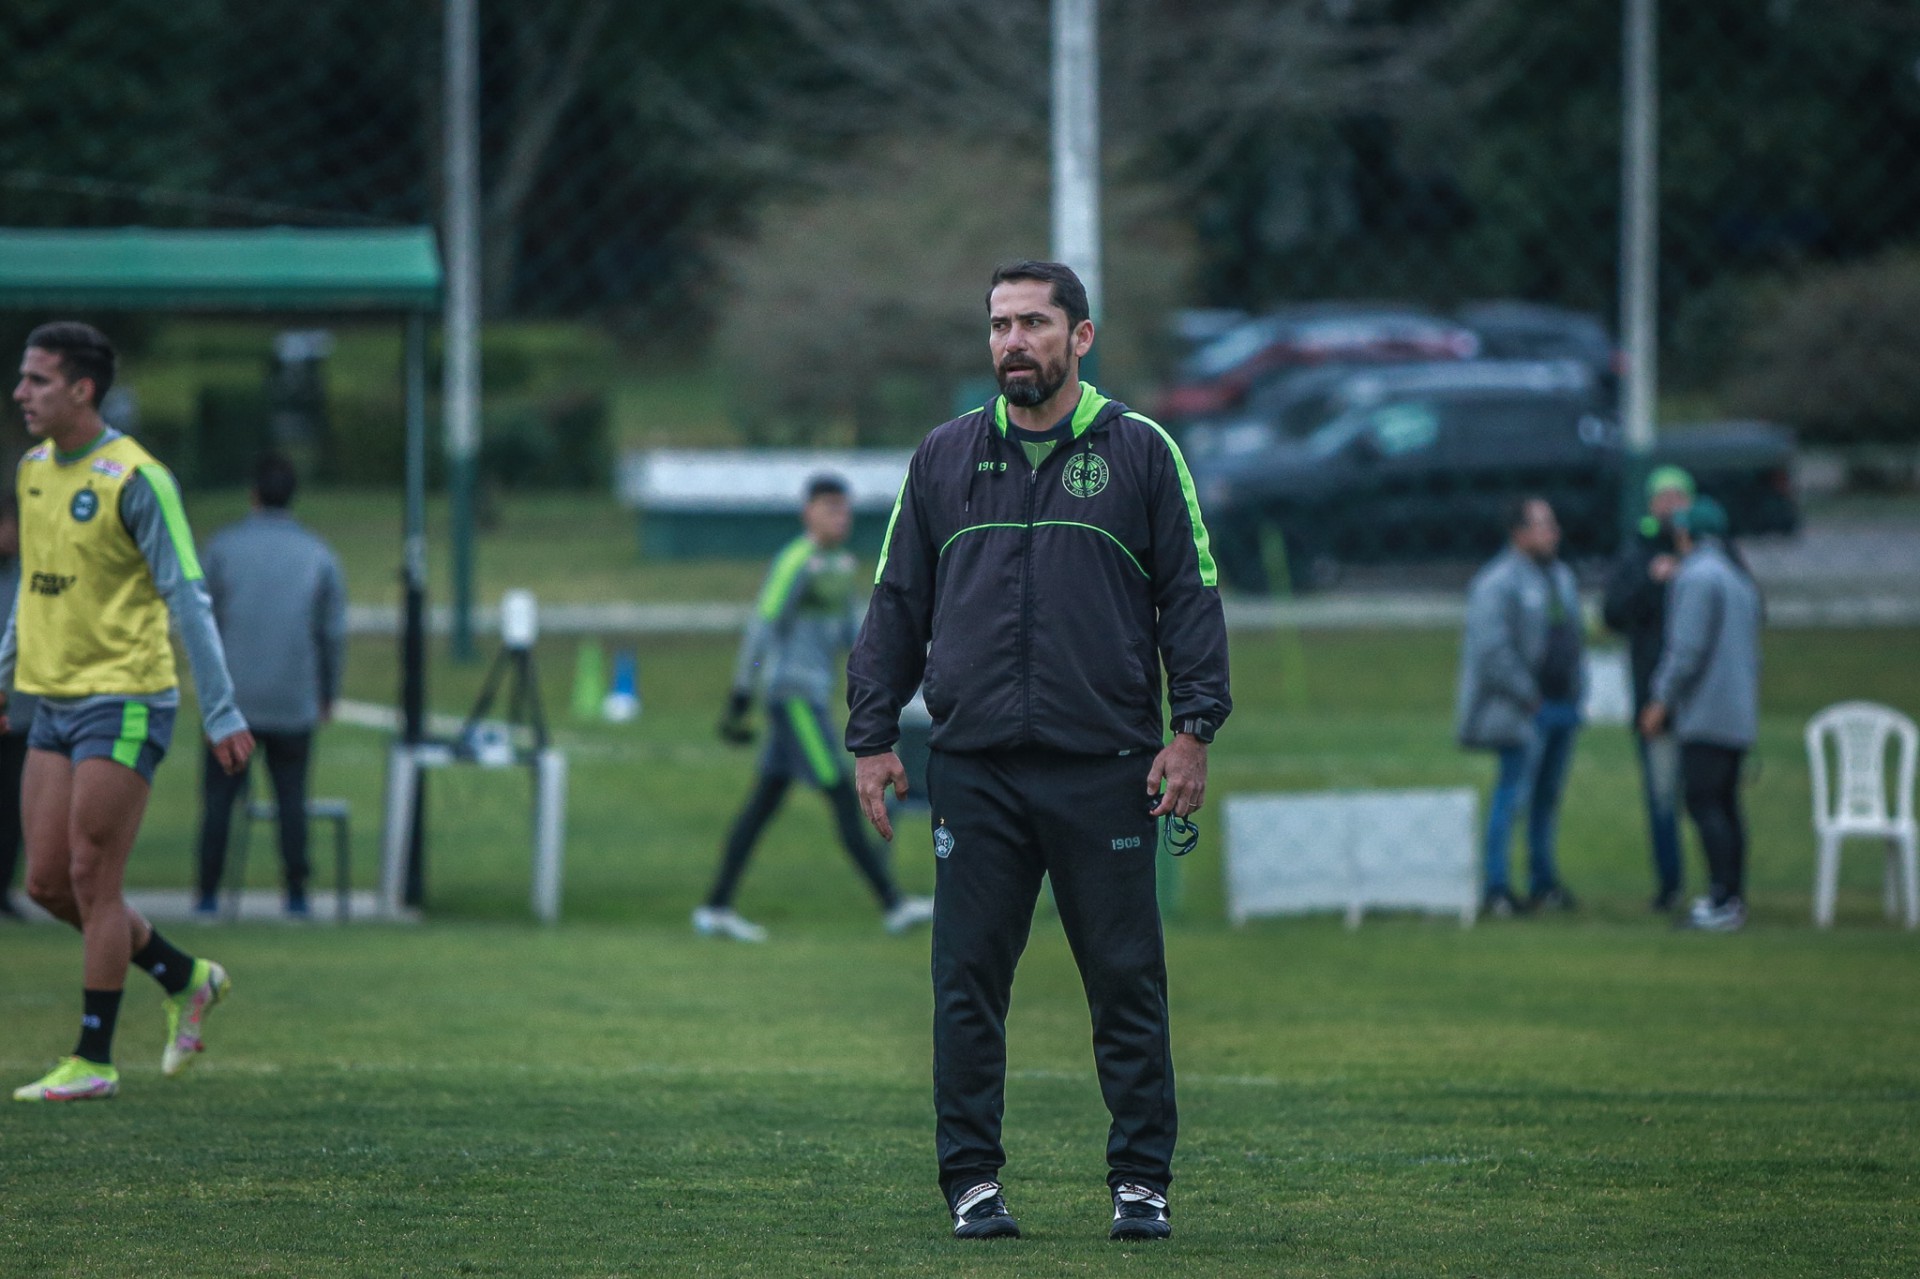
(827, 484)
(83, 351)
(1068, 293)
(1517, 510)
(274, 481)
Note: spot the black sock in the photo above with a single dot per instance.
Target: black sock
(171, 967)
(99, 1009)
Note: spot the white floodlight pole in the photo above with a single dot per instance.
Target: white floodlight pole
(1076, 142)
(1639, 227)
(460, 385)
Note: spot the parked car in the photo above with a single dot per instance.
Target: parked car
(1407, 464)
(1512, 330)
(1294, 406)
(1220, 375)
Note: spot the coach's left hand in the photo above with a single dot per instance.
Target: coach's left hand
(234, 752)
(1181, 767)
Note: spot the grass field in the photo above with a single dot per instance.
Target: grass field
(1589, 1095)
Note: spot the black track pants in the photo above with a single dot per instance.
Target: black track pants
(13, 761)
(289, 757)
(1001, 821)
(768, 792)
(1710, 776)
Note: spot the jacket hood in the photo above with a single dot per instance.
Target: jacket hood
(1093, 412)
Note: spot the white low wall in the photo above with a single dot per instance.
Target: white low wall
(1352, 851)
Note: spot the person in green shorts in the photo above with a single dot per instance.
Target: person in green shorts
(804, 623)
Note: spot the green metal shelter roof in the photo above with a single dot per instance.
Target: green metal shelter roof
(270, 269)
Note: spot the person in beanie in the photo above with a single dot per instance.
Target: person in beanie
(1635, 608)
(1706, 694)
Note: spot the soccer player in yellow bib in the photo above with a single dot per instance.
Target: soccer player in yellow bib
(105, 557)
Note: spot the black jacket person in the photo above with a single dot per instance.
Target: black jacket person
(1051, 597)
(1035, 583)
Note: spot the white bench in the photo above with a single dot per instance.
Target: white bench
(335, 811)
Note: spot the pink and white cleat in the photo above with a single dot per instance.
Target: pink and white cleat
(187, 1015)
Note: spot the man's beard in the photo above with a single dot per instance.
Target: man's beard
(1031, 392)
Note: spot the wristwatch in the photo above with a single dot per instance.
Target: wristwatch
(1203, 729)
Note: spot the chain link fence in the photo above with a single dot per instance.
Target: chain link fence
(1362, 255)
(789, 205)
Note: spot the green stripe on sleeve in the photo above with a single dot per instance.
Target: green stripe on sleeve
(886, 543)
(813, 741)
(133, 734)
(1209, 572)
(175, 516)
(786, 568)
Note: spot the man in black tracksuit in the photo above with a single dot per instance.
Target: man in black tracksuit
(1045, 559)
(1635, 606)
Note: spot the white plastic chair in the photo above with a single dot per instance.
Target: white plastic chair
(1858, 805)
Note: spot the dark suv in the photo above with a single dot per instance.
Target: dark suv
(1421, 461)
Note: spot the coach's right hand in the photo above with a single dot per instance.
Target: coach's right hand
(872, 774)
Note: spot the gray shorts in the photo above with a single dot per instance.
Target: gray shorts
(125, 730)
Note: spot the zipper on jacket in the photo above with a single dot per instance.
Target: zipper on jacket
(1026, 612)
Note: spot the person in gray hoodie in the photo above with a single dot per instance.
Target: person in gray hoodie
(1521, 683)
(281, 605)
(1706, 692)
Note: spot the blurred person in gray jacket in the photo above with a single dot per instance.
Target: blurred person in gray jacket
(281, 606)
(1521, 682)
(1706, 693)
(13, 742)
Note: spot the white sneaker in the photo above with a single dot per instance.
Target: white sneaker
(911, 912)
(1730, 917)
(721, 921)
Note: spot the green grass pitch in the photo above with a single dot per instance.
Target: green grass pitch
(1591, 1095)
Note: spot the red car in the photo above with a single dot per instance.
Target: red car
(1218, 377)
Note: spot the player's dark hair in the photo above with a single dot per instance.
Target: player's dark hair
(274, 481)
(827, 484)
(1516, 511)
(83, 351)
(1068, 293)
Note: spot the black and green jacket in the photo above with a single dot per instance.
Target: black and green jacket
(1037, 607)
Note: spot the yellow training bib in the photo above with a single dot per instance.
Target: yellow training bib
(89, 620)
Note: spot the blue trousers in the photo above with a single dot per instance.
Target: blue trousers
(1531, 778)
(1660, 780)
